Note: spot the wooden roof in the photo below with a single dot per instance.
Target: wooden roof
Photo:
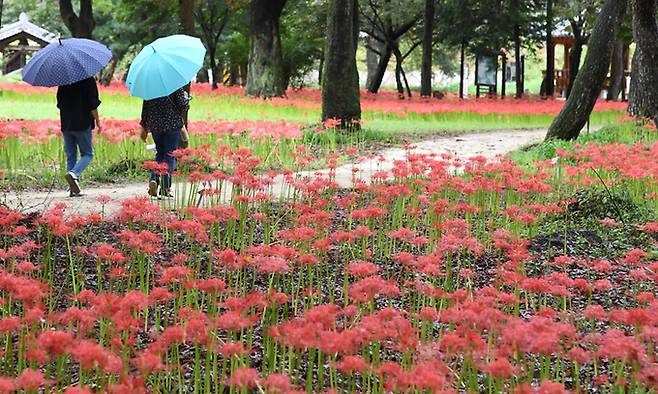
(23, 28)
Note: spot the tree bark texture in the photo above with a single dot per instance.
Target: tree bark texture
(265, 74)
(549, 81)
(428, 36)
(643, 95)
(382, 65)
(616, 71)
(373, 49)
(588, 83)
(340, 84)
(462, 60)
(80, 25)
(186, 15)
(517, 62)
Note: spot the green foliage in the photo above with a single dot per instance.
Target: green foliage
(303, 29)
(488, 24)
(44, 13)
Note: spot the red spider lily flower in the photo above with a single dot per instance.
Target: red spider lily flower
(148, 362)
(229, 349)
(128, 385)
(78, 390)
(615, 345)
(31, 380)
(633, 257)
(362, 269)
(175, 274)
(368, 288)
(351, 364)
(55, 343)
(211, 286)
(244, 378)
(500, 368)
(143, 241)
(8, 385)
(579, 355)
(272, 264)
(159, 295)
(549, 387)
(277, 383)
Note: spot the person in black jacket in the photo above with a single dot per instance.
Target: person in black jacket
(78, 109)
(163, 118)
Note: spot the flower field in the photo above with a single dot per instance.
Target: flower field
(505, 278)
(29, 127)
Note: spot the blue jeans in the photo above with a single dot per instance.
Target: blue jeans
(74, 141)
(165, 143)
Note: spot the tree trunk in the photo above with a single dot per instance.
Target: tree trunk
(340, 84)
(549, 81)
(616, 71)
(186, 15)
(428, 35)
(108, 75)
(587, 86)
(321, 69)
(216, 74)
(643, 96)
(517, 62)
(378, 76)
(372, 58)
(1, 6)
(462, 60)
(574, 59)
(80, 25)
(265, 74)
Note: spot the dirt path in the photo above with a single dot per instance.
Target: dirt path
(487, 144)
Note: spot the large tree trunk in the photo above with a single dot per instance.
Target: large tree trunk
(428, 35)
(643, 96)
(549, 80)
(340, 84)
(616, 71)
(80, 25)
(587, 86)
(265, 74)
(378, 76)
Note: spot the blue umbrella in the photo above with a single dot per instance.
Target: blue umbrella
(165, 65)
(64, 62)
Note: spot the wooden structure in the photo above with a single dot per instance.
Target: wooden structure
(19, 40)
(561, 77)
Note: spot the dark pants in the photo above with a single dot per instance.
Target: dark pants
(165, 143)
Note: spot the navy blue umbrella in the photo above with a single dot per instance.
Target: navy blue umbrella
(64, 62)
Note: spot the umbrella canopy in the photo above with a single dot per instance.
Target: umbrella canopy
(64, 62)
(165, 65)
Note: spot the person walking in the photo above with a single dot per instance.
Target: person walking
(78, 108)
(163, 118)
(70, 64)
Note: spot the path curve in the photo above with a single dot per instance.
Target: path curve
(488, 144)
